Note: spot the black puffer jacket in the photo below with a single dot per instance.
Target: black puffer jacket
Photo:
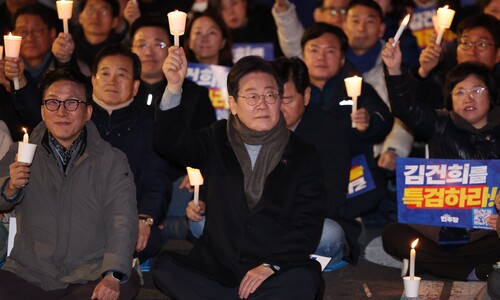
(449, 135)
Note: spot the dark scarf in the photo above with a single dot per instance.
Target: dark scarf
(65, 154)
(365, 62)
(273, 144)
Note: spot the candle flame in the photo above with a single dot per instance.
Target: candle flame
(414, 244)
(406, 20)
(10, 33)
(25, 131)
(445, 7)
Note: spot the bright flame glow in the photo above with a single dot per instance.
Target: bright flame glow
(406, 20)
(414, 244)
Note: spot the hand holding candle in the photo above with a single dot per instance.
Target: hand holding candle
(445, 17)
(195, 179)
(12, 46)
(401, 29)
(177, 23)
(64, 11)
(413, 255)
(353, 87)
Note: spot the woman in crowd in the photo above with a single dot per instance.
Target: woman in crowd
(208, 40)
(468, 128)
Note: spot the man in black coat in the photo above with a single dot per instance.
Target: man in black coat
(150, 39)
(122, 123)
(264, 193)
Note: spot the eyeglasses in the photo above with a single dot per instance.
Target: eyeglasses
(480, 45)
(69, 104)
(474, 93)
(35, 32)
(334, 11)
(144, 46)
(90, 11)
(253, 98)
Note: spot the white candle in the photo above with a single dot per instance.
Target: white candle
(413, 255)
(195, 179)
(12, 45)
(177, 24)
(150, 99)
(401, 29)
(353, 87)
(26, 137)
(445, 18)
(64, 11)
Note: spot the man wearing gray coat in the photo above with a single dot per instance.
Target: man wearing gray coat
(75, 205)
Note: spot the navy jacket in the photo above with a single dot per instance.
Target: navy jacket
(131, 130)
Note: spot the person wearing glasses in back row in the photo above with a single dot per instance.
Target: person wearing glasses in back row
(37, 25)
(467, 128)
(264, 193)
(478, 40)
(75, 204)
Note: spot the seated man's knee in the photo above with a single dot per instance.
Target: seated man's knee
(332, 239)
(494, 284)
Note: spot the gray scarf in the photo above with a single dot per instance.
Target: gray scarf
(273, 144)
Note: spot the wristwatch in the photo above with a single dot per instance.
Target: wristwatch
(275, 268)
(147, 219)
(115, 275)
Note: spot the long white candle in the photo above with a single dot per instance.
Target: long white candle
(195, 179)
(64, 12)
(413, 255)
(353, 87)
(177, 24)
(445, 18)
(196, 194)
(401, 29)
(12, 45)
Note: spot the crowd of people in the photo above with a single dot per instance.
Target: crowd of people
(116, 121)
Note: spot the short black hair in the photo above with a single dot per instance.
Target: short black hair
(464, 70)
(246, 65)
(488, 22)
(115, 7)
(150, 20)
(318, 29)
(66, 74)
(367, 3)
(118, 50)
(293, 69)
(48, 15)
(226, 53)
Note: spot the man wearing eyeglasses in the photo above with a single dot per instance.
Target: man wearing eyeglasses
(37, 25)
(150, 39)
(75, 205)
(265, 194)
(290, 29)
(478, 40)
